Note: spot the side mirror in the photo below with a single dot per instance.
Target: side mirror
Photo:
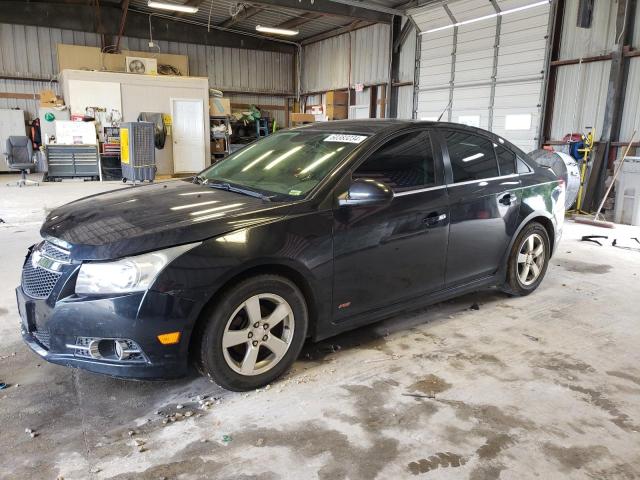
(366, 191)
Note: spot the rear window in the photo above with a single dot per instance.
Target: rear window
(506, 160)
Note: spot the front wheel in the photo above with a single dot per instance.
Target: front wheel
(528, 260)
(254, 333)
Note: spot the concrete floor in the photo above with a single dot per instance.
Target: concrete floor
(546, 386)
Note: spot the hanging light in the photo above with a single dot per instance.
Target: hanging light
(277, 31)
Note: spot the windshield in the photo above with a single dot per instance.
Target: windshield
(287, 163)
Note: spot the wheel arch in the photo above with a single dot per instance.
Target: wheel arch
(542, 218)
(294, 273)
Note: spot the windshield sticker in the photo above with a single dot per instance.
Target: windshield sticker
(294, 192)
(345, 138)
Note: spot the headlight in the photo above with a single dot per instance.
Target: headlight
(130, 274)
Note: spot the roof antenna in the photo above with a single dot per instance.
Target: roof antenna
(445, 109)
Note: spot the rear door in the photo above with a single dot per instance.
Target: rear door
(484, 201)
(386, 254)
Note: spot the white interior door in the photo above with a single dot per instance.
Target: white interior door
(188, 135)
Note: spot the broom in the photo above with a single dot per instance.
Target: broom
(595, 221)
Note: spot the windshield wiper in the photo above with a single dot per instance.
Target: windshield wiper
(232, 188)
(199, 179)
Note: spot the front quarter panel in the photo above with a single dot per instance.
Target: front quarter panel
(301, 243)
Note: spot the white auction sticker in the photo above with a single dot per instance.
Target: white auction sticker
(345, 138)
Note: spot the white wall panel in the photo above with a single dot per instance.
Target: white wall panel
(631, 112)
(364, 52)
(583, 42)
(405, 102)
(580, 99)
(407, 64)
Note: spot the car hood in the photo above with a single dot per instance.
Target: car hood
(145, 218)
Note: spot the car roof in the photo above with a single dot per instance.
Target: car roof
(374, 126)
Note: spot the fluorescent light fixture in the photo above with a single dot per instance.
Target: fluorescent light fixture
(277, 31)
(473, 157)
(174, 7)
(486, 17)
(282, 157)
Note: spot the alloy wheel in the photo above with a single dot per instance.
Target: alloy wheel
(531, 258)
(258, 334)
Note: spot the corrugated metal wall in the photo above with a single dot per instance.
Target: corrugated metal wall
(408, 58)
(30, 52)
(405, 102)
(631, 112)
(581, 90)
(488, 69)
(325, 64)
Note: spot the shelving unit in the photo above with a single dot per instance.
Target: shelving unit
(216, 121)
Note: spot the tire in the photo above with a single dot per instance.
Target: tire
(521, 280)
(239, 319)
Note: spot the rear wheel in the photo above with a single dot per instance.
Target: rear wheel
(528, 260)
(254, 333)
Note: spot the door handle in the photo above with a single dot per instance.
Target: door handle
(434, 218)
(507, 199)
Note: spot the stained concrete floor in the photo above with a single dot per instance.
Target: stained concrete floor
(546, 386)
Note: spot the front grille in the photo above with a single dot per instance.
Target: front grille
(43, 338)
(55, 253)
(38, 282)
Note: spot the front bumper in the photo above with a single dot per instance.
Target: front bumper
(50, 328)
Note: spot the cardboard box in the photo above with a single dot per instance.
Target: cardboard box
(49, 99)
(217, 146)
(219, 107)
(337, 112)
(337, 98)
(301, 118)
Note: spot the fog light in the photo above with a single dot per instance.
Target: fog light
(122, 350)
(169, 338)
(113, 349)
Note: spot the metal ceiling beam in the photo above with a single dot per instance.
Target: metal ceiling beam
(301, 20)
(190, 3)
(123, 21)
(334, 33)
(82, 18)
(248, 12)
(330, 8)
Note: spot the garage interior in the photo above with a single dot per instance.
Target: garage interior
(485, 386)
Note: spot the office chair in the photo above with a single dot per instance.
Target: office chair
(19, 155)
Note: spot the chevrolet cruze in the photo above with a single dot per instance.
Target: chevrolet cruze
(303, 234)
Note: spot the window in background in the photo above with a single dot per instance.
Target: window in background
(517, 122)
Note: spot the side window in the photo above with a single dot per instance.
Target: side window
(506, 160)
(404, 163)
(472, 157)
(523, 167)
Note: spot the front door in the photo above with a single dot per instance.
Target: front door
(386, 254)
(187, 130)
(484, 201)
